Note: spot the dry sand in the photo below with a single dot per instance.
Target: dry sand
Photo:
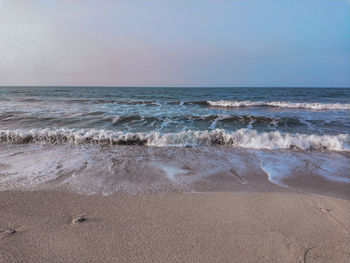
(174, 227)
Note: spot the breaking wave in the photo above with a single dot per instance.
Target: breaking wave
(280, 104)
(241, 138)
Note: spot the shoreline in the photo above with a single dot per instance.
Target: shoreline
(137, 169)
(176, 227)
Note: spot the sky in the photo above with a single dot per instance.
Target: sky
(241, 43)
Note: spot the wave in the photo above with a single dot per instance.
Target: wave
(244, 119)
(280, 104)
(209, 121)
(219, 103)
(241, 138)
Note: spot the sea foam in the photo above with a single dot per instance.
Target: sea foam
(244, 138)
(281, 104)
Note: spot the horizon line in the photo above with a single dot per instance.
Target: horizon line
(148, 86)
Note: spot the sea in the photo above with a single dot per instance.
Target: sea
(142, 139)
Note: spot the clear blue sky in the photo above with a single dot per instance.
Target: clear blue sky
(175, 42)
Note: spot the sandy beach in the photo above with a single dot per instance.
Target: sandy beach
(76, 203)
(174, 131)
(37, 226)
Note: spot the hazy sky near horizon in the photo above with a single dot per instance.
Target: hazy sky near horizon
(175, 42)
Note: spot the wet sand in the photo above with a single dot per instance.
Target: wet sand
(36, 226)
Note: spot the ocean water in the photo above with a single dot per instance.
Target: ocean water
(48, 134)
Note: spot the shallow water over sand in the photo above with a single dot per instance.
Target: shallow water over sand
(91, 169)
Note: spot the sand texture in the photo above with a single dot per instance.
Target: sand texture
(54, 226)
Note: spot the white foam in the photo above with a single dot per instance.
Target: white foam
(215, 122)
(115, 119)
(278, 167)
(171, 172)
(26, 168)
(250, 139)
(241, 138)
(281, 104)
(91, 169)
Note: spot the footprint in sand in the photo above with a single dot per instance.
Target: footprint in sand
(78, 219)
(8, 232)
